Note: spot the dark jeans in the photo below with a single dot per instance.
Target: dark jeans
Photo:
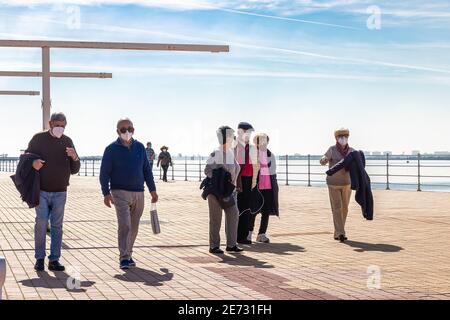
(243, 200)
(264, 223)
(165, 172)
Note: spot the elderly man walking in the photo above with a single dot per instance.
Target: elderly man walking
(123, 171)
(57, 161)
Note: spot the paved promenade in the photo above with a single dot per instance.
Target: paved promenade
(402, 254)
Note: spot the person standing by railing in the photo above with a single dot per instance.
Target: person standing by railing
(339, 184)
(165, 160)
(123, 171)
(58, 160)
(223, 159)
(150, 154)
(245, 154)
(264, 182)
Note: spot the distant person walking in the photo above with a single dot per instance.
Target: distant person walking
(57, 161)
(222, 171)
(245, 155)
(123, 171)
(339, 184)
(150, 154)
(264, 181)
(165, 160)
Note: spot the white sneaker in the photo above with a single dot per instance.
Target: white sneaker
(262, 238)
(250, 235)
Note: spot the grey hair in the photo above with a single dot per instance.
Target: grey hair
(58, 116)
(123, 120)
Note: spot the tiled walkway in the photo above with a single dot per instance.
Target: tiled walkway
(402, 254)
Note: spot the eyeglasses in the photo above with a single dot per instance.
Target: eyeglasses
(124, 130)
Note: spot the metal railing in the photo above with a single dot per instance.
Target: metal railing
(419, 172)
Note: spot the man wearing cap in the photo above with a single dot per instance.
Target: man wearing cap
(246, 156)
(339, 184)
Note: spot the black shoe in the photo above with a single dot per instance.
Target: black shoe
(234, 249)
(244, 241)
(216, 250)
(39, 266)
(131, 263)
(342, 238)
(55, 266)
(124, 264)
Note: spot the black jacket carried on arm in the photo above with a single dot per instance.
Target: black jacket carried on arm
(355, 163)
(27, 180)
(220, 186)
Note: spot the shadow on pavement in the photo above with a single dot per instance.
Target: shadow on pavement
(276, 248)
(147, 277)
(363, 246)
(61, 280)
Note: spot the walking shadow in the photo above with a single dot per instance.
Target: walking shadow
(149, 278)
(363, 246)
(276, 248)
(61, 280)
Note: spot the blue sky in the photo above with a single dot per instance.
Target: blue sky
(296, 70)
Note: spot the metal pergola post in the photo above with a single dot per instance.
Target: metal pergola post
(46, 103)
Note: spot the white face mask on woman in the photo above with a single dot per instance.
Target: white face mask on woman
(58, 132)
(343, 141)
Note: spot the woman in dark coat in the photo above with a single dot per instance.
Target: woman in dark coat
(264, 188)
(165, 160)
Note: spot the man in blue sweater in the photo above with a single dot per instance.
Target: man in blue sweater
(123, 171)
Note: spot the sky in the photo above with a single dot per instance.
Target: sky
(296, 70)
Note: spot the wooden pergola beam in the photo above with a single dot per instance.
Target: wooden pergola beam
(19, 93)
(102, 75)
(113, 45)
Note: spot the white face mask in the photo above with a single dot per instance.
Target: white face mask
(58, 132)
(343, 141)
(126, 136)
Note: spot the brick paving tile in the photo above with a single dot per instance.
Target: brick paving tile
(405, 243)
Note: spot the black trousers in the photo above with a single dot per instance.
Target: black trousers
(165, 168)
(264, 223)
(244, 203)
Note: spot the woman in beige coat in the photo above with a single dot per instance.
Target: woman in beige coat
(339, 184)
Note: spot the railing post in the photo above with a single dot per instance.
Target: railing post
(185, 169)
(2, 274)
(93, 167)
(287, 170)
(200, 169)
(173, 176)
(388, 187)
(309, 170)
(419, 185)
(85, 168)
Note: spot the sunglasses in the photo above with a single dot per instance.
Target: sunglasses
(124, 130)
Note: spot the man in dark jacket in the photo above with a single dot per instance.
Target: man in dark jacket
(355, 163)
(58, 160)
(246, 155)
(27, 180)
